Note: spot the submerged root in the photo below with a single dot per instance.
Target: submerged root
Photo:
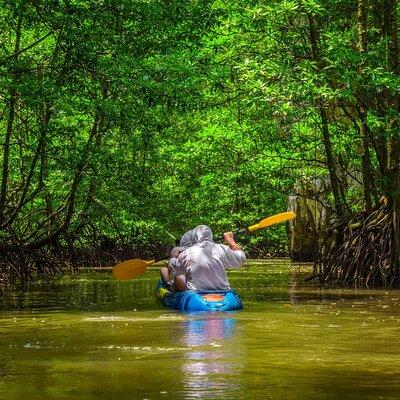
(365, 253)
(24, 265)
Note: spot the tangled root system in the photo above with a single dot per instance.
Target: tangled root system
(365, 252)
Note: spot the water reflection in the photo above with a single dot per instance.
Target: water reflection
(94, 291)
(213, 361)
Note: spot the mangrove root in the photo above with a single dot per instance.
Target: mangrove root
(365, 252)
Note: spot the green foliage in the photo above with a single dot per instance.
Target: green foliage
(138, 119)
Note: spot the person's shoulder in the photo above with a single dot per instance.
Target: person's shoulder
(239, 252)
(223, 247)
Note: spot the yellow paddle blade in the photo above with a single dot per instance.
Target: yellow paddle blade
(274, 219)
(131, 269)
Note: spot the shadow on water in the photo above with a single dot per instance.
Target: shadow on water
(94, 291)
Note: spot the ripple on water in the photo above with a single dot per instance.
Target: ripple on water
(116, 318)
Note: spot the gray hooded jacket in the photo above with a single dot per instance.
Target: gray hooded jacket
(205, 263)
(184, 243)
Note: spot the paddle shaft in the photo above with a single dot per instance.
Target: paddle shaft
(235, 233)
(132, 268)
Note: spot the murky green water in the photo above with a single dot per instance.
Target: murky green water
(90, 337)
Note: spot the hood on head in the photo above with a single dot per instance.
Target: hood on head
(200, 234)
(186, 239)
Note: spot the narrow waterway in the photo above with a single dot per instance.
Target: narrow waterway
(90, 337)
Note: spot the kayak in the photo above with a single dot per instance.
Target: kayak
(189, 300)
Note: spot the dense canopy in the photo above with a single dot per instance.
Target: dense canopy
(125, 123)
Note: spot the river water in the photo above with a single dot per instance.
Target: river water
(90, 337)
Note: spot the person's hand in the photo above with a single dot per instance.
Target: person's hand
(230, 240)
(228, 236)
(176, 251)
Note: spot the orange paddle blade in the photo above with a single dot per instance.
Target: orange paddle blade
(274, 219)
(131, 269)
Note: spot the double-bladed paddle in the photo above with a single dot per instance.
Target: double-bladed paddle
(133, 268)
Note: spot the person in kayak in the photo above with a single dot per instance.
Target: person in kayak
(204, 264)
(168, 273)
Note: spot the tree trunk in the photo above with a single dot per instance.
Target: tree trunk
(393, 145)
(326, 139)
(9, 129)
(363, 127)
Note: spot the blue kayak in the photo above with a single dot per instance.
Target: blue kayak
(189, 300)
